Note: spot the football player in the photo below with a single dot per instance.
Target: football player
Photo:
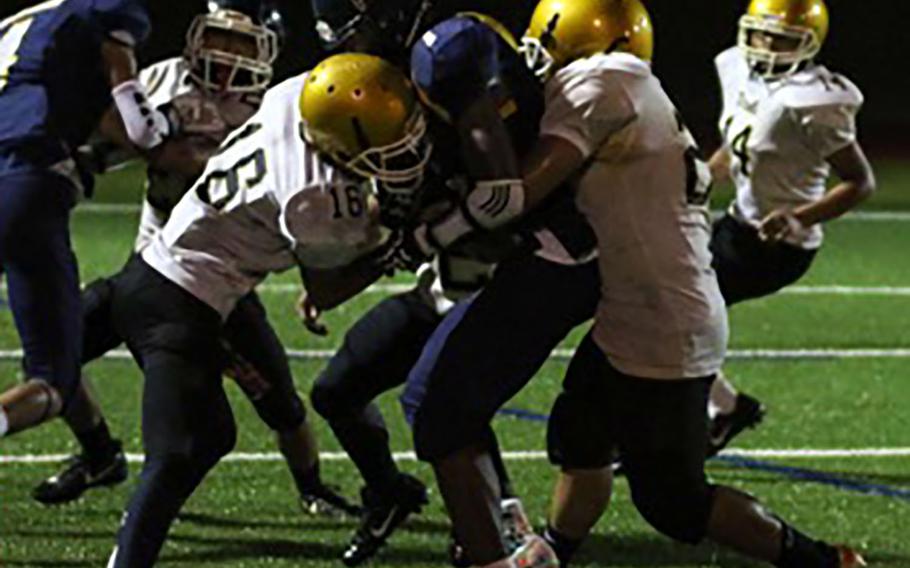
(292, 187)
(787, 123)
(639, 381)
(495, 102)
(62, 65)
(213, 88)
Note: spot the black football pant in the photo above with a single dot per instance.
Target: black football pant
(187, 425)
(376, 356)
(248, 332)
(748, 267)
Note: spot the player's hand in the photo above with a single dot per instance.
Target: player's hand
(402, 251)
(309, 315)
(779, 225)
(193, 114)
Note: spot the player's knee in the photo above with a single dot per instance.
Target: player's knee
(281, 411)
(678, 508)
(327, 398)
(571, 442)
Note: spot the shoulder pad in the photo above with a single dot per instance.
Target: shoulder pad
(818, 87)
(732, 68)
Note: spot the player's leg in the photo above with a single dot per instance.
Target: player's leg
(101, 461)
(580, 444)
(664, 451)
(746, 268)
(187, 425)
(375, 356)
(482, 354)
(265, 377)
(43, 282)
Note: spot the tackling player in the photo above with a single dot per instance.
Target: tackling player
(215, 87)
(268, 201)
(485, 102)
(62, 64)
(639, 381)
(787, 123)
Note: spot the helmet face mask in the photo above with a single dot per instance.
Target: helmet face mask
(399, 166)
(228, 53)
(537, 57)
(774, 49)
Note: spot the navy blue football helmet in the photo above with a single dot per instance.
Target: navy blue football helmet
(389, 25)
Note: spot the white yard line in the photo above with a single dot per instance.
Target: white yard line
(796, 453)
(820, 353)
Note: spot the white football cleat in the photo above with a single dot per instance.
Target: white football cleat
(516, 527)
(535, 553)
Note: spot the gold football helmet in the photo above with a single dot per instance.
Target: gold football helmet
(562, 31)
(363, 112)
(778, 36)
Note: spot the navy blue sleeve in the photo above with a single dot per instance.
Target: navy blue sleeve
(116, 17)
(455, 63)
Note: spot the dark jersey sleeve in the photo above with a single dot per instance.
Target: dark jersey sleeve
(124, 20)
(454, 63)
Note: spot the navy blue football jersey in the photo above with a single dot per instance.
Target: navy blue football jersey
(53, 90)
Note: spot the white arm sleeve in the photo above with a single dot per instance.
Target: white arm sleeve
(146, 127)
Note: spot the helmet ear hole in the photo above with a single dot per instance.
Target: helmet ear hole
(331, 89)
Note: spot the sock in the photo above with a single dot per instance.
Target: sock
(307, 481)
(564, 547)
(4, 422)
(97, 442)
(800, 551)
(723, 397)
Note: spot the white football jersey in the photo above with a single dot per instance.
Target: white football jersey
(207, 119)
(644, 192)
(266, 202)
(779, 135)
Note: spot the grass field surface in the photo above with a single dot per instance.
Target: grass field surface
(830, 359)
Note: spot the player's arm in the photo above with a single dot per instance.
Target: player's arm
(575, 125)
(144, 127)
(857, 183)
(719, 165)
(329, 288)
(831, 132)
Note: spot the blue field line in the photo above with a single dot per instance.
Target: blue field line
(796, 473)
(802, 474)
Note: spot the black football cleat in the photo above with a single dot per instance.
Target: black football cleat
(80, 475)
(748, 413)
(382, 515)
(325, 501)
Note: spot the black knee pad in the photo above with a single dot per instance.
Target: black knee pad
(573, 439)
(281, 411)
(676, 506)
(326, 399)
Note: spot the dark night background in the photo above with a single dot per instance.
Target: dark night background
(868, 43)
